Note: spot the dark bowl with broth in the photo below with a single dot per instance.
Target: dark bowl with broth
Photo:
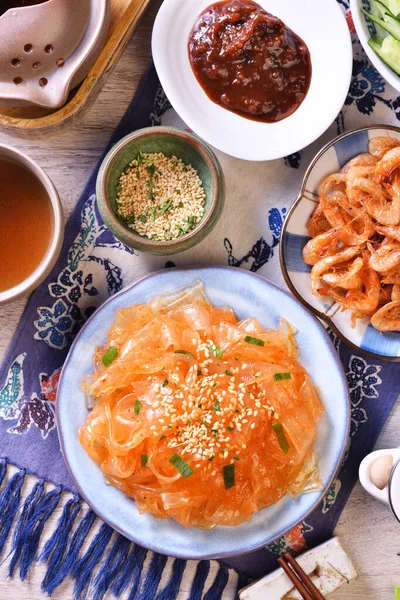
(31, 224)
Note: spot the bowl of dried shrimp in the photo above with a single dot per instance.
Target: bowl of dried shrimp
(194, 414)
(340, 249)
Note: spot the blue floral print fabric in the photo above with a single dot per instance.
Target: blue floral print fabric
(94, 265)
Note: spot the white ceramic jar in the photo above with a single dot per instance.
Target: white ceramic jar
(380, 476)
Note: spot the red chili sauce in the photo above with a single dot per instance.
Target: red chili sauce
(248, 61)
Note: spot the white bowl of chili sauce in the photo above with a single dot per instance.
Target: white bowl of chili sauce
(31, 224)
(258, 81)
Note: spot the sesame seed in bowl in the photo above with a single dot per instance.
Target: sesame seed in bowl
(160, 190)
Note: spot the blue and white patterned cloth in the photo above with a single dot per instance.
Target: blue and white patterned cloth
(94, 265)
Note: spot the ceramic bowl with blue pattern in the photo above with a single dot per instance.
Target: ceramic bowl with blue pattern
(295, 236)
(249, 295)
(366, 29)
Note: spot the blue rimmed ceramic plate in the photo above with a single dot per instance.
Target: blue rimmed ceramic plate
(249, 295)
(295, 236)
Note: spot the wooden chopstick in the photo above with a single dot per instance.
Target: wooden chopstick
(301, 581)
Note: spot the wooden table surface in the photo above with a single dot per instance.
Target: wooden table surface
(367, 529)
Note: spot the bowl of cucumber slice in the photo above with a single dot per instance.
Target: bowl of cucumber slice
(377, 23)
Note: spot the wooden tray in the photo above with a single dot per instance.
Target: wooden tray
(36, 122)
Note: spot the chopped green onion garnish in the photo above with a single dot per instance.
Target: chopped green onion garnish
(188, 422)
(145, 460)
(110, 356)
(180, 465)
(217, 406)
(138, 406)
(282, 376)
(230, 428)
(199, 373)
(165, 383)
(229, 373)
(162, 437)
(229, 476)
(166, 207)
(280, 434)
(151, 169)
(143, 218)
(170, 426)
(217, 351)
(253, 340)
(211, 457)
(130, 219)
(185, 352)
(236, 457)
(214, 432)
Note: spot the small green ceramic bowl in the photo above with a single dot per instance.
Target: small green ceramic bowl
(172, 142)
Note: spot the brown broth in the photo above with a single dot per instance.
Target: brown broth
(26, 223)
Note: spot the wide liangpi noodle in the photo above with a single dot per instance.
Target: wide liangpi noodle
(355, 231)
(198, 416)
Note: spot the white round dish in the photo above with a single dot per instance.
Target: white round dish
(365, 30)
(249, 295)
(51, 255)
(323, 28)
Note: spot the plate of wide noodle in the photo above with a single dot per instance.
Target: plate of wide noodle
(340, 250)
(195, 415)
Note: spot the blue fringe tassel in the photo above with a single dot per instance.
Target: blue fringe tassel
(113, 565)
(62, 571)
(20, 528)
(9, 502)
(220, 581)
(153, 577)
(133, 569)
(123, 564)
(171, 591)
(3, 469)
(83, 569)
(54, 549)
(55, 546)
(202, 571)
(34, 528)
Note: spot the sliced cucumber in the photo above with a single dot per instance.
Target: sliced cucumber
(388, 50)
(394, 7)
(379, 8)
(388, 23)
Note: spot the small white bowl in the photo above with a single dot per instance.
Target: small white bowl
(322, 26)
(331, 159)
(365, 30)
(49, 259)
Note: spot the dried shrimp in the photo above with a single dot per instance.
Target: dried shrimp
(355, 236)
